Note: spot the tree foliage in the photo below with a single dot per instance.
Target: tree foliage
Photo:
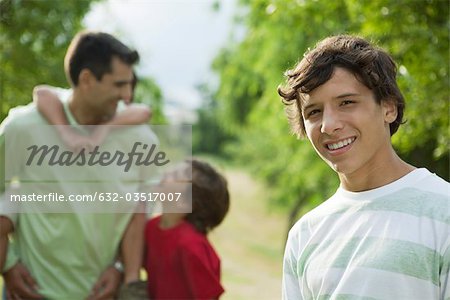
(149, 93)
(34, 36)
(208, 135)
(416, 33)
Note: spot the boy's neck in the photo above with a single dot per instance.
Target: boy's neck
(377, 176)
(170, 220)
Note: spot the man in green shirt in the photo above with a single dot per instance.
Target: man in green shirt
(72, 254)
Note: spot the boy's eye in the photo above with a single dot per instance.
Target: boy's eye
(312, 112)
(346, 102)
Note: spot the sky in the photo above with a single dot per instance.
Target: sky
(177, 41)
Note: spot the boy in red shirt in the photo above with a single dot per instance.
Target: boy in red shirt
(180, 261)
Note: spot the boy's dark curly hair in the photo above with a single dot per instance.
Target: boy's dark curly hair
(210, 197)
(371, 65)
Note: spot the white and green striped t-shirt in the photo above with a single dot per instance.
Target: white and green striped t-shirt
(392, 242)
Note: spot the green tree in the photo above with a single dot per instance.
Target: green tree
(416, 33)
(33, 38)
(148, 92)
(34, 35)
(278, 33)
(208, 134)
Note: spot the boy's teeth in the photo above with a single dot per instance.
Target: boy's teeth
(340, 144)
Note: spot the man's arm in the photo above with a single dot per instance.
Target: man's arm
(10, 257)
(3, 249)
(132, 246)
(19, 284)
(130, 255)
(6, 227)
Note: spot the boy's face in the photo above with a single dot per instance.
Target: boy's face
(176, 185)
(346, 126)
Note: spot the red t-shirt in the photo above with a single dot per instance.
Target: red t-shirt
(180, 263)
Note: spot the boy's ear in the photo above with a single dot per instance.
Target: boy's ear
(389, 110)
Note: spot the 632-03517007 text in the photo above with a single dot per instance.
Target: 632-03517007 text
(97, 196)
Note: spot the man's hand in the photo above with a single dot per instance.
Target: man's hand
(20, 284)
(107, 285)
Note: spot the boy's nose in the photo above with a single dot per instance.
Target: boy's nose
(330, 122)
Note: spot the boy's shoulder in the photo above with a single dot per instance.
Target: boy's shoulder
(432, 183)
(192, 238)
(330, 206)
(419, 193)
(196, 246)
(152, 223)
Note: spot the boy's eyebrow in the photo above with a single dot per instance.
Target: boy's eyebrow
(346, 95)
(304, 108)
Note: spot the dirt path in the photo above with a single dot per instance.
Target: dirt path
(250, 242)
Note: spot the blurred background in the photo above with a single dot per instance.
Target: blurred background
(216, 65)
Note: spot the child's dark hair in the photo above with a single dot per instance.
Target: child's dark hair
(210, 197)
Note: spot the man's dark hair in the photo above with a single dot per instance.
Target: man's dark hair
(210, 197)
(371, 65)
(94, 51)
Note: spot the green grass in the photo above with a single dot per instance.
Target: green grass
(250, 242)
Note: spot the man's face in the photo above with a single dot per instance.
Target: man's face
(106, 93)
(346, 126)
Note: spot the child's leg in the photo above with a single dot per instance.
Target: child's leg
(6, 227)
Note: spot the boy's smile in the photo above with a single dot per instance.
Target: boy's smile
(339, 146)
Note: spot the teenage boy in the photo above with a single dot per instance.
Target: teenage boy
(385, 233)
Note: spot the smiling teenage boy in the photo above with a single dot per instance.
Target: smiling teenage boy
(385, 233)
